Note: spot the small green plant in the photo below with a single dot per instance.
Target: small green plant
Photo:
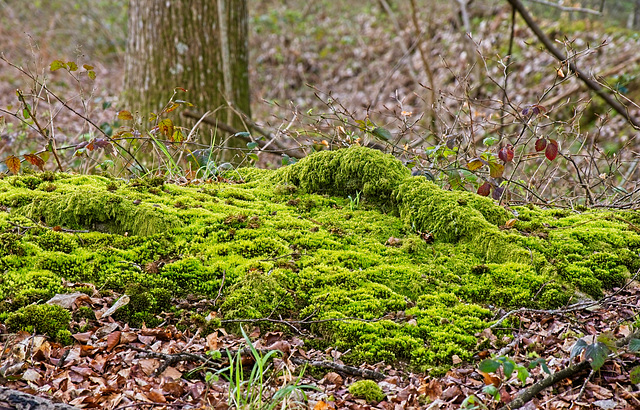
(354, 203)
(251, 392)
(509, 367)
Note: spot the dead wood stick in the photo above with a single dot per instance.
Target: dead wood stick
(530, 392)
(14, 399)
(626, 61)
(608, 98)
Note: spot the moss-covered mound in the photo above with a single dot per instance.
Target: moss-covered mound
(410, 268)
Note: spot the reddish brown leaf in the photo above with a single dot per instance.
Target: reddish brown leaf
(13, 163)
(484, 189)
(87, 350)
(156, 396)
(333, 378)
(552, 150)
(506, 153)
(35, 161)
(113, 339)
(83, 337)
(172, 106)
(541, 144)
(433, 389)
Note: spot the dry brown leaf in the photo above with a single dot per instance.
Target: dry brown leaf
(148, 366)
(272, 337)
(451, 393)
(281, 345)
(69, 300)
(172, 372)
(490, 379)
(392, 241)
(113, 340)
(123, 301)
(128, 337)
(433, 389)
(156, 396)
(321, 406)
(334, 378)
(31, 375)
(510, 223)
(213, 341)
(13, 164)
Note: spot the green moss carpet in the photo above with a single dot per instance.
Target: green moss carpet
(415, 271)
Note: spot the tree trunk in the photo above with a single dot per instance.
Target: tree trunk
(199, 45)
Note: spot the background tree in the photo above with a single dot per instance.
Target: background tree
(200, 45)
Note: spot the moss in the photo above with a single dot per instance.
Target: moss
(367, 390)
(55, 241)
(144, 304)
(348, 172)
(89, 208)
(11, 244)
(84, 312)
(257, 295)
(281, 245)
(43, 319)
(64, 337)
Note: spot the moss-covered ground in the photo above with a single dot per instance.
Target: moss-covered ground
(414, 271)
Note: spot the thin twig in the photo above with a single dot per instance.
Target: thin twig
(224, 276)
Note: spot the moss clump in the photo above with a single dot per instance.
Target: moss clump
(43, 319)
(256, 295)
(91, 207)
(55, 241)
(64, 337)
(144, 305)
(351, 171)
(367, 390)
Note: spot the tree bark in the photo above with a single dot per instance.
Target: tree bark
(199, 45)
